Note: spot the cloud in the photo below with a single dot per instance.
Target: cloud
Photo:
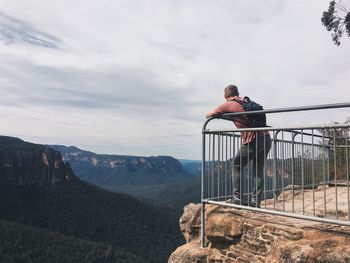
(85, 89)
(135, 77)
(17, 31)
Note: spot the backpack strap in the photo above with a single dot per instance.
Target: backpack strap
(245, 99)
(241, 103)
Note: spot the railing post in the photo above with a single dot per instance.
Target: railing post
(202, 192)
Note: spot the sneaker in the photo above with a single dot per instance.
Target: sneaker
(254, 203)
(235, 200)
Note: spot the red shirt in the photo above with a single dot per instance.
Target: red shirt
(239, 121)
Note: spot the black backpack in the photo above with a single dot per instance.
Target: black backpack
(255, 120)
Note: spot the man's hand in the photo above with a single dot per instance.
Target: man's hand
(211, 114)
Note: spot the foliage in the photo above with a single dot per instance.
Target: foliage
(175, 194)
(27, 244)
(337, 20)
(87, 212)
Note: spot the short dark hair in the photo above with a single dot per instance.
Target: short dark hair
(231, 91)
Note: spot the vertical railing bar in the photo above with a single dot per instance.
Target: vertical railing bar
(223, 164)
(222, 172)
(233, 165)
(222, 181)
(213, 167)
(299, 164)
(324, 176)
(248, 174)
(222, 167)
(329, 166)
(264, 171)
(306, 163)
(293, 153)
(290, 174)
(278, 171)
(209, 165)
(302, 170)
(274, 173)
(210, 171)
(256, 170)
(219, 165)
(278, 168)
(283, 156)
(202, 192)
(226, 167)
(204, 167)
(287, 156)
(230, 167)
(347, 170)
(313, 172)
(240, 172)
(335, 174)
(310, 167)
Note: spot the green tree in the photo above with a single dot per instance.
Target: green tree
(337, 20)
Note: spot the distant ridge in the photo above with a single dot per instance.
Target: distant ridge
(118, 170)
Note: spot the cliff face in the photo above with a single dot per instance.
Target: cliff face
(235, 235)
(159, 164)
(115, 170)
(27, 164)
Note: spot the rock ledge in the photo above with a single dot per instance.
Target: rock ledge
(235, 235)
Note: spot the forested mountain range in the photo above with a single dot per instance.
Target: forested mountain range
(38, 189)
(160, 180)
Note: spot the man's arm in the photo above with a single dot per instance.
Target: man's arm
(212, 114)
(219, 110)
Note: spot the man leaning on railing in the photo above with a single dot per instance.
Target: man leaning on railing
(255, 145)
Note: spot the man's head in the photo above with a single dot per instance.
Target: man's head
(231, 91)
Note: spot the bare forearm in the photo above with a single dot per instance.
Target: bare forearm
(211, 114)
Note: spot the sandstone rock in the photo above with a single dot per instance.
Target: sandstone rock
(291, 233)
(190, 222)
(189, 253)
(234, 235)
(224, 228)
(289, 252)
(26, 164)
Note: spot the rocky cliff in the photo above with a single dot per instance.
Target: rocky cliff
(116, 170)
(235, 235)
(28, 164)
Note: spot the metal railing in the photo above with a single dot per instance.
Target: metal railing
(304, 175)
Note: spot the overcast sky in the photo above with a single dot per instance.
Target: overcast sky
(137, 77)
